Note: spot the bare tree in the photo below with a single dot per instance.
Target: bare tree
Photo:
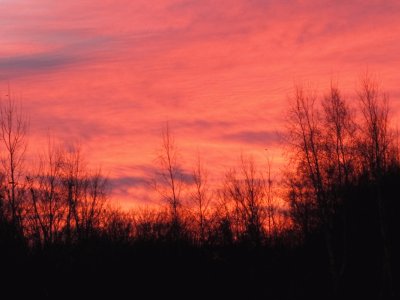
(339, 136)
(270, 206)
(376, 136)
(72, 166)
(339, 164)
(118, 226)
(46, 195)
(376, 148)
(169, 182)
(85, 194)
(245, 190)
(150, 224)
(320, 143)
(302, 204)
(201, 199)
(65, 197)
(305, 138)
(13, 129)
(90, 206)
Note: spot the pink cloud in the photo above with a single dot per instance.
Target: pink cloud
(110, 73)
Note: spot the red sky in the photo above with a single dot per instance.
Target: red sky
(109, 74)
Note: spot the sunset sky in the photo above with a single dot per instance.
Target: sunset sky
(110, 74)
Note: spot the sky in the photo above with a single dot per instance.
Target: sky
(108, 75)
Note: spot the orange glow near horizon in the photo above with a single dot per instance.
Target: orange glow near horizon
(109, 74)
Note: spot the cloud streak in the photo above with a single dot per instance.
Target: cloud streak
(263, 137)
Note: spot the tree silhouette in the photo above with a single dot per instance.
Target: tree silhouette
(13, 129)
(47, 199)
(322, 144)
(201, 200)
(245, 192)
(377, 150)
(169, 182)
(60, 234)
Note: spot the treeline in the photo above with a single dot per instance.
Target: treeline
(327, 229)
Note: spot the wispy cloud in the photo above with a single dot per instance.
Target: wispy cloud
(111, 73)
(264, 137)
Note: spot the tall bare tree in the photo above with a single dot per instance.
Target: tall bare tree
(339, 136)
(13, 130)
(73, 170)
(201, 198)
(170, 181)
(270, 206)
(321, 144)
(339, 164)
(305, 138)
(377, 148)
